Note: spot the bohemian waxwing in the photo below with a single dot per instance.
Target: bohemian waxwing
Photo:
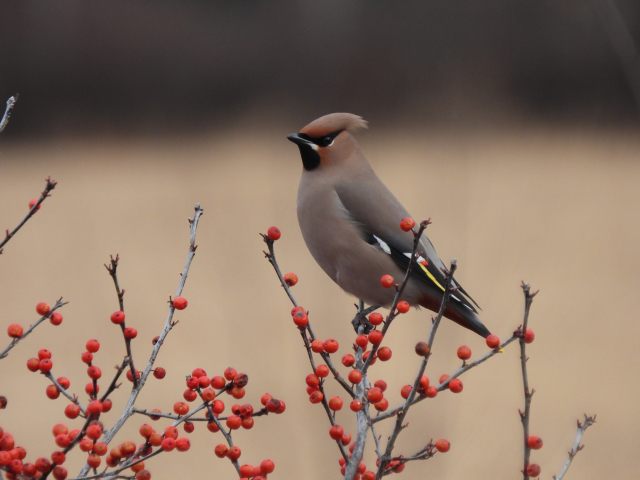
(350, 222)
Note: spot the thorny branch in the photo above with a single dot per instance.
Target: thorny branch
(51, 184)
(582, 427)
(16, 341)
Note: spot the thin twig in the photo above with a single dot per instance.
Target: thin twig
(51, 184)
(168, 325)
(524, 416)
(582, 427)
(386, 458)
(112, 269)
(114, 383)
(7, 113)
(73, 399)
(445, 385)
(16, 341)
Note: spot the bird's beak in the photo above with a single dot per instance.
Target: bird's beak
(295, 138)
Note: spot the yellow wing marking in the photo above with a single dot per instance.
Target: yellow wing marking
(431, 276)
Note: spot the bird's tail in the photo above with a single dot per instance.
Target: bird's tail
(459, 310)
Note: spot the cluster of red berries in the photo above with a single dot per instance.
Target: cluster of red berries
(15, 330)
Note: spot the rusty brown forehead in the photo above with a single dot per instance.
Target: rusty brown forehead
(332, 123)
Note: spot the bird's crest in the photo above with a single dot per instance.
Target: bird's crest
(334, 122)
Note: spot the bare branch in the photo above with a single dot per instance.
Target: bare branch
(582, 427)
(7, 113)
(74, 399)
(528, 299)
(51, 184)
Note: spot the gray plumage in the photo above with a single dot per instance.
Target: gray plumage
(350, 222)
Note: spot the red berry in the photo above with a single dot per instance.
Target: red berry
(146, 430)
(86, 445)
(100, 448)
(422, 349)
(63, 440)
(171, 432)
(247, 423)
(87, 357)
(57, 458)
(42, 308)
(43, 464)
(387, 281)
(290, 279)
(168, 444)
(198, 372)
(234, 422)
(493, 341)
(94, 372)
(89, 388)
(375, 337)
(534, 442)
(273, 233)
(130, 376)
(180, 303)
(14, 330)
(362, 341)
(322, 371)
(355, 406)
(44, 353)
(217, 382)
(533, 470)
(56, 318)
(59, 473)
(246, 471)
(316, 397)
(183, 444)
(159, 373)
(331, 346)
(240, 380)
(455, 385)
(117, 317)
(405, 391)
(273, 405)
(63, 382)
(73, 434)
(193, 382)
(431, 392)
(317, 346)
(300, 319)
(443, 445)
(384, 354)
(375, 318)
(143, 475)
(265, 398)
(94, 407)
(355, 376)
(365, 356)
(407, 224)
(217, 406)
(230, 373)
(181, 408)
(234, 453)
(189, 395)
(335, 404)
(208, 394)
(403, 307)
(464, 353)
(93, 461)
(443, 378)
(130, 333)
(32, 203)
(382, 405)
(374, 395)
(221, 451)
(93, 346)
(72, 411)
(15, 466)
(348, 360)
(336, 432)
(237, 392)
(266, 467)
(346, 439)
(94, 432)
(33, 364)
(381, 384)
(59, 429)
(368, 475)
(529, 336)
(45, 365)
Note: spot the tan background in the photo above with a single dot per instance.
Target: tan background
(555, 207)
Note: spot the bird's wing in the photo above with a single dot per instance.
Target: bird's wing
(377, 213)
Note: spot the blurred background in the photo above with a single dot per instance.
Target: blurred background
(514, 126)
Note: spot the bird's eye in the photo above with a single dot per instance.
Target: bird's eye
(328, 141)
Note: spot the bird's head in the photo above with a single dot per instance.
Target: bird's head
(327, 139)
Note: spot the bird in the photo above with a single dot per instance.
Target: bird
(350, 222)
